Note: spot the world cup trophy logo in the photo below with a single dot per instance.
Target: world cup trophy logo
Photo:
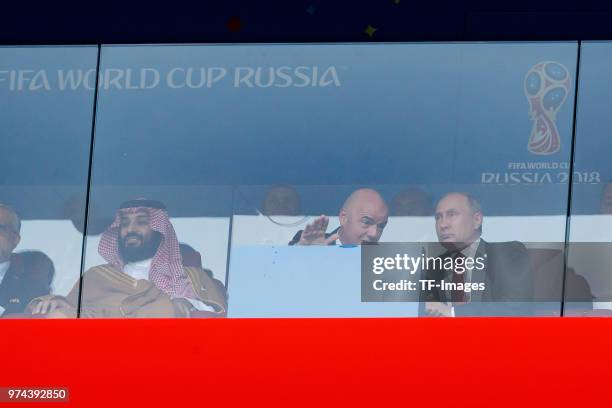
(547, 85)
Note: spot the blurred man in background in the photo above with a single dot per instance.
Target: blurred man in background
(281, 200)
(411, 202)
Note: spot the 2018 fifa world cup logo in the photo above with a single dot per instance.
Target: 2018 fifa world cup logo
(547, 85)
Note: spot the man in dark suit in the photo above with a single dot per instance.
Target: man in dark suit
(363, 217)
(504, 270)
(23, 276)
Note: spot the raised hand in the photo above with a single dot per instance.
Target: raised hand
(314, 233)
(438, 309)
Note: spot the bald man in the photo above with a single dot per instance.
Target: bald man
(363, 217)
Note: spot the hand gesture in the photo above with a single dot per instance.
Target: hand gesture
(314, 233)
(438, 309)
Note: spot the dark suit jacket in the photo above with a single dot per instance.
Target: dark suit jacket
(507, 277)
(29, 276)
(298, 235)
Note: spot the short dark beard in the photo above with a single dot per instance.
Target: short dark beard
(145, 251)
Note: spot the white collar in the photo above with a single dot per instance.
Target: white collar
(138, 270)
(146, 263)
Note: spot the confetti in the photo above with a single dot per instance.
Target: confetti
(370, 30)
(234, 24)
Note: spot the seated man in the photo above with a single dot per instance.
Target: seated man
(363, 217)
(505, 273)
(144, 276)
(23, 276)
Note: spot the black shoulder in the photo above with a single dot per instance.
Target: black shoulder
(35, 260)
(35, 265)
(510, 249)
(517, 246)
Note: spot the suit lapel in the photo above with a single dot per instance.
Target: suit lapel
(332, 233)
(480, 275)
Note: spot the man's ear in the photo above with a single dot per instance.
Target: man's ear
(343, 217)
(477, 220)
(16, 239)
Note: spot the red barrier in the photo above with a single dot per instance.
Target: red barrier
(312, 362)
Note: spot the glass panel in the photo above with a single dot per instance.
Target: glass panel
(47, 96)
(588, 279)
(247, 145)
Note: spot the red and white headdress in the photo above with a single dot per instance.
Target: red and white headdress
(166, 267)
